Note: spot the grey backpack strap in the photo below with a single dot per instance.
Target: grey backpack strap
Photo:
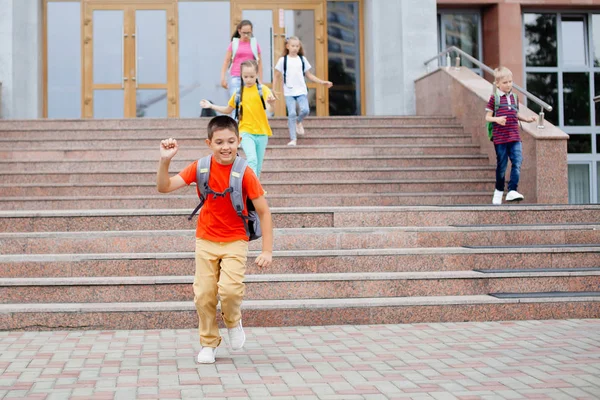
(202, 175)
(236, 195)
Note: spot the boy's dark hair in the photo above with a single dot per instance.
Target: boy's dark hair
(220, 123)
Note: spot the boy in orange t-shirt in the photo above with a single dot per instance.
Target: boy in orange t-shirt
(221, 240)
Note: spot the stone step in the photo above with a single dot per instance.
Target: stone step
(295, 286)
(345, 238)
(149, 153)
(307, 262)
(388, 310)
(273, 163)
(201, 123)
(189, 202)
(297, 217)
(354, 140)
(289, 175)
(124, 136)
(316, 188)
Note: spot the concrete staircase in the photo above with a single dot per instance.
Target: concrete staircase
(378, 220)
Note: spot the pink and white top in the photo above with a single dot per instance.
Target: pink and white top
(244, 52)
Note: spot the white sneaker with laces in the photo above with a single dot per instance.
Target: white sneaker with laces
(237, 337)
(299, 128)
(497, 199)
(292, 143)
(513, 195)
(207, 355)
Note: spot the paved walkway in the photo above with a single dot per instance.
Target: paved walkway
(492, 360)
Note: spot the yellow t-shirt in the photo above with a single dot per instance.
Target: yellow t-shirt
(254, 118)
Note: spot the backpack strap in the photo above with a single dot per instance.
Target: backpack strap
(302, 61)
(515, 99)
(235, 44)
(284, 69)
(496, 102)
(202, 175)
(254, 47)
(260, 94)
(235, 183)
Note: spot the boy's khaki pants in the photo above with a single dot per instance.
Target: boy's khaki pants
(220, 268)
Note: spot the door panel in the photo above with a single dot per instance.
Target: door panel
(129, 59)
(272, 24)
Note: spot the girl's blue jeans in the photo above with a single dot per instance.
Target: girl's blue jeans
(293, 116)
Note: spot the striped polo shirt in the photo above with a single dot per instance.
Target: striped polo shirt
(509, 132)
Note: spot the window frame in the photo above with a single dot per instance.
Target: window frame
(442, 34)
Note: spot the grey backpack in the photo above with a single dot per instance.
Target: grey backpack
(251, 221)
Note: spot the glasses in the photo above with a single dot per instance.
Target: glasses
(246, 33)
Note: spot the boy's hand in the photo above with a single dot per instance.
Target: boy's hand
(205, 103)
(168, 148)
(501, 121)
(532, 118)
(328, 84)
(264, 259)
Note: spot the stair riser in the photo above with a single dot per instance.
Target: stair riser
(291, 176)
(201, 123)
(308, 265)
(281, 151)
(298, 188)
(273, 141)
(305, 317)
(299, 241)
(297, 290)
(268, 165)
(301, 219)
(200, 134)
(189, 202)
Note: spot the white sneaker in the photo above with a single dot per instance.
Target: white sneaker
(292, 143)
(299, 128)
(237, 337)
(497, 199)
(207, 355)
(513, 195)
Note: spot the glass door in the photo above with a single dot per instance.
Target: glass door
(273, 23)
(129, 61)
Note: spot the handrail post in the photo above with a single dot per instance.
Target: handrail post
(448, 62)
(457, 62)
(541, 119)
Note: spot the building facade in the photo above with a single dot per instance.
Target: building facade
(158, 58)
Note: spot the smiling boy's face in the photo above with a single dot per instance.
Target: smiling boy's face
(224, 145)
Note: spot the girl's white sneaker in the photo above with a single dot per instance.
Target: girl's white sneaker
(292, 143)
(299, 128)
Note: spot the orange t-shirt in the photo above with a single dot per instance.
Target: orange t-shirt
(218, 221)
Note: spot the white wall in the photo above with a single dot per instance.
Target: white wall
(399, 36)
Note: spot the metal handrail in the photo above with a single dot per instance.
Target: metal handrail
(484, 67)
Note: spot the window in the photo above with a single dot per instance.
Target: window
(463, 30)
(562, 67)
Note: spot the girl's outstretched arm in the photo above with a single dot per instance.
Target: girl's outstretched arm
(313, 78)
(222, 109)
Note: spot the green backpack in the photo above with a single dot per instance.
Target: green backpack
(490, 125)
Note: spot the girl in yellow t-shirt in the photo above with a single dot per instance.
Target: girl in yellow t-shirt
(251, 113)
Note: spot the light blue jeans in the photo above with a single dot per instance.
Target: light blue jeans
(254, 147)
(293, 116)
